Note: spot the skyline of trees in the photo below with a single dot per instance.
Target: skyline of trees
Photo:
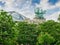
(18, 33)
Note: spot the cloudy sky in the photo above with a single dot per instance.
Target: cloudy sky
(26, 7)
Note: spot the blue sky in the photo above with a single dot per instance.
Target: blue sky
(26, 7)
(53, 1)
(2, 3)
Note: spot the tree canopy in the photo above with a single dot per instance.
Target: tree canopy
(17, 33)
(7, 29)
(52, 28)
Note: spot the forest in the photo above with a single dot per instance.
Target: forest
(22, 33)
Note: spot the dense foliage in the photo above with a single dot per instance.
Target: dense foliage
(52, 28)
(59, 18)
(27, 33)
(45, 39)
(18, 33)
(7, 29)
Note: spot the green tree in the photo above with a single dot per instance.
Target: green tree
(27, 33)
(52, 28)
(45, 39)
(39, 13)
(8, 31)
(59, 18)
(58, 43)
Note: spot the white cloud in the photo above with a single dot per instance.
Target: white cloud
(27, 9)
(45, 5)
(8, 4)
(54, 16)
(58, 4)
